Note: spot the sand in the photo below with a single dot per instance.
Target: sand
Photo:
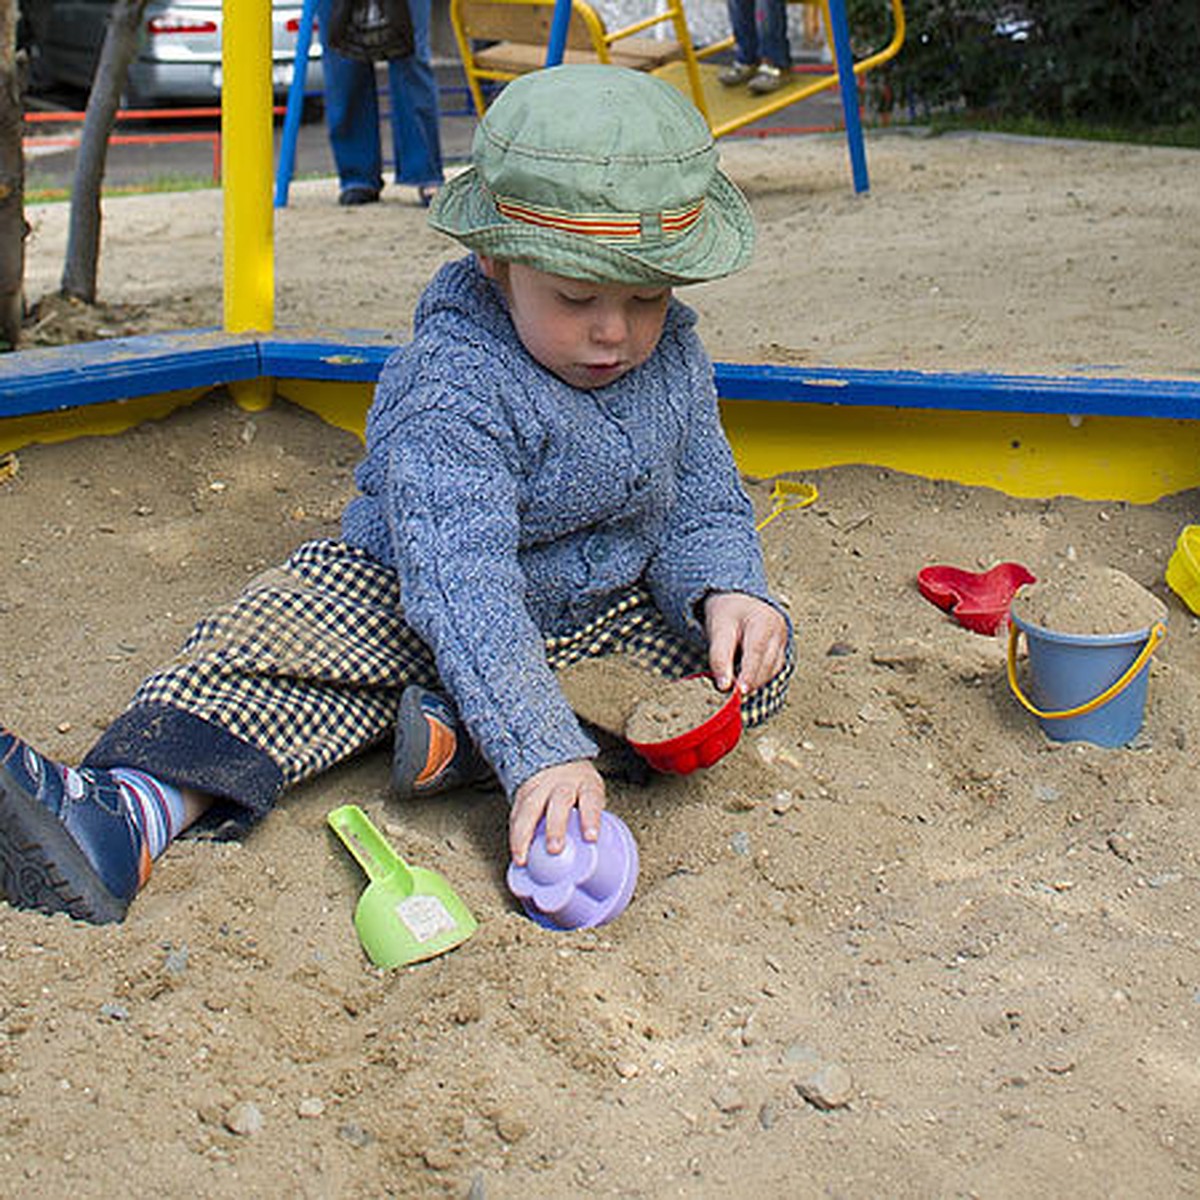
(897, 943)
(1090, 600)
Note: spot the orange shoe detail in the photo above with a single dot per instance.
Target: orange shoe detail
(145, 863)
(442, 744)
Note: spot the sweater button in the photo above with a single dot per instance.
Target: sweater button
(596, 550)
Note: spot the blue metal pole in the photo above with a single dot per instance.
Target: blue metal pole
(295, 105)
(557, 45)
(848, 83)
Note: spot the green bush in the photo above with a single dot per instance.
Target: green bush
(1129, 61)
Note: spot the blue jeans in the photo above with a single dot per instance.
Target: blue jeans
(352, 110)
(760, 39)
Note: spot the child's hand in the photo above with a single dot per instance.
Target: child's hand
(737, 623)
(554, 791)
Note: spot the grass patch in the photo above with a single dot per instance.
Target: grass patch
(34, 194)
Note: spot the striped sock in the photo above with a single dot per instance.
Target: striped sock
(156, 807)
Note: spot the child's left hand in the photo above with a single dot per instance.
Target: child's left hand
(736, 622)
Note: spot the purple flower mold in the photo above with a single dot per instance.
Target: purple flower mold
(588, 883)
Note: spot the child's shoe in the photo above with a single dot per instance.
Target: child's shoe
(737, 72)
(67, 842)
(432, 753)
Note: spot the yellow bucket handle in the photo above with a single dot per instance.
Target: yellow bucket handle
(1157, 633)
(786, 495)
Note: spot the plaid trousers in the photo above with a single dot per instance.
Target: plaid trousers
(305, 669)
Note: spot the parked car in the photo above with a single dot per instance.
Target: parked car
(179, 52)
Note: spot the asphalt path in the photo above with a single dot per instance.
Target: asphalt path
(176, 150)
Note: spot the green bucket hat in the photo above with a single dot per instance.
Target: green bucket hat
(600, 173)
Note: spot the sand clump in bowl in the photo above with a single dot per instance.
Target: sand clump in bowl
(1088, 599)
(676, 710)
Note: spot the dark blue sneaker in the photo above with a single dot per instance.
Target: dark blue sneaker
(432, 752)
(67, 843)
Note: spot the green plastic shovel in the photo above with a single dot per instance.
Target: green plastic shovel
(406, 914)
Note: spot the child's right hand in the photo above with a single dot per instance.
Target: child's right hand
(553, 792)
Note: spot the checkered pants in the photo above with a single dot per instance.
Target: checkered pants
(306, 666)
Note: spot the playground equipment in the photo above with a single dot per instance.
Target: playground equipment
(515, 36)
(501, 39)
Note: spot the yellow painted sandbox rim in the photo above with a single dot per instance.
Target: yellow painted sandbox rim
(1031, 437)
(1028, 455)
(1031, 455)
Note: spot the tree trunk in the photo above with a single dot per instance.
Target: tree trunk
(83, 231)
(12, 183)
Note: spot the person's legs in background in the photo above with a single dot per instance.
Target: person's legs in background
(743, 23)
(412, 87)
(352, 118)
(776, 62)
(773, 34)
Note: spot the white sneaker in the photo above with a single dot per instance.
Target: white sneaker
(766, 79)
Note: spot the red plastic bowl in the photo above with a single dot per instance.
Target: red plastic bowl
(978, 600)
(699, 747)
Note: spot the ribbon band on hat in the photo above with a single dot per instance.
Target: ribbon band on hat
(607, 227)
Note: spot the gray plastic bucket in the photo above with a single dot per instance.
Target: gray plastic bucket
(1069, 670)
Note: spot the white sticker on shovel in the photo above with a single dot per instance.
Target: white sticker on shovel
(425, 916)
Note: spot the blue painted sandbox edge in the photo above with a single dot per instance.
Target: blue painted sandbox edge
(51, 379)
(353, 356)
(962, 391)
(55, 378)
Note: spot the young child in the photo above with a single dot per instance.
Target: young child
(545, 480)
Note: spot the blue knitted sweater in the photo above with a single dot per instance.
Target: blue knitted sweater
(515, 507)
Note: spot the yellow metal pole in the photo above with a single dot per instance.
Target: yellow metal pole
(246, 138)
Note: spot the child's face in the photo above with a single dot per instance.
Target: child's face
(588, 334)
